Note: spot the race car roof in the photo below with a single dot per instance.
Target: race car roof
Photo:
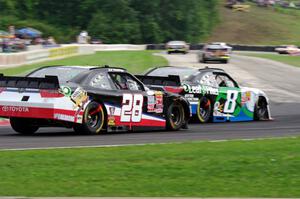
(186, 67)
(83, 67)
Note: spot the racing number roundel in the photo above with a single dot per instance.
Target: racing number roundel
(230, 104)
(132, 107)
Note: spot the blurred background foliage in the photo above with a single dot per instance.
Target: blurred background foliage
(117, 21)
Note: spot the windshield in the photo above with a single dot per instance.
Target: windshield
(183, 73)
(63, 73)
(176, 43)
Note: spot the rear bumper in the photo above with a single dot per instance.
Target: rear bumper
(39, 111)
(221, 58)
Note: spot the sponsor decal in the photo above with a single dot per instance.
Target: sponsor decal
(66, 91)
(64, 117)
(151, 103)
(158, 102)
(115, 70)
(191, 98)
(15, 109)
(246, 97)
(111, 117)
(79, 97)
(200, 89)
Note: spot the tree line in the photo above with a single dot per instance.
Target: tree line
(114, 21)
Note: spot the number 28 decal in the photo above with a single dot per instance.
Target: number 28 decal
(230, 104)
(132, 107)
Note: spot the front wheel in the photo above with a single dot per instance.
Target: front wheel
(204, 109)
(93, 119)
(23, 126)
(261, 110)
(175, 116)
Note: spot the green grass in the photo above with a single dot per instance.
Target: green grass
(258, 26)
(286, 59)
(263, 168)
(134, 61)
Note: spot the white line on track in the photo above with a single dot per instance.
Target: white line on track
(145, 144)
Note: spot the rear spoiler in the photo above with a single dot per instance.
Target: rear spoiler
(171, 80)
(47, 82)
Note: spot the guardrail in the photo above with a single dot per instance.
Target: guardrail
(38, 55)
(28, 57)
(234, 46)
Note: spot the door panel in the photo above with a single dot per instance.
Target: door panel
(233, 104)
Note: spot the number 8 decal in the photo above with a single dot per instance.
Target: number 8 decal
(132, 106)
(230, 104)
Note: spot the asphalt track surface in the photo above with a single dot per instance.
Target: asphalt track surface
(281, 83)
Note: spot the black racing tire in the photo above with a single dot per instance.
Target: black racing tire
(261, 110)
(78, 129)
(175, 117)
(225, 61)
(204, 109)
(23, 126)
(93, 119)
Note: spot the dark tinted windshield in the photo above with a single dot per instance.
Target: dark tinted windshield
(214, 49)
(63, 73)
(184, 73)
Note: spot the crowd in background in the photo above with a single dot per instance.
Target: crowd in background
(18, 40)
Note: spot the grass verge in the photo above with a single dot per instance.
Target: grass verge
(286, 59)
(134, 61)
(262, 168)
(271, 26)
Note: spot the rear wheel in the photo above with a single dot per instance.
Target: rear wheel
(175, 116)
(93, 119)
(23, 126)
(204, 109)
(261, 110)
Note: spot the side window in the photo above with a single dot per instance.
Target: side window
(125, 82)
(224, 81)
(100, 81)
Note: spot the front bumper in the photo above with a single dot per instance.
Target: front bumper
(218, 58)
(182, 50)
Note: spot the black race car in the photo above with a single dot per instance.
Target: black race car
(88, 99)
(212, 93)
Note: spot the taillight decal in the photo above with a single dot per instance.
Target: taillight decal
(50, 94)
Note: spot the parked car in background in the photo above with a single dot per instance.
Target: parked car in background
(288, 49)
(177, 47)
(214, 52)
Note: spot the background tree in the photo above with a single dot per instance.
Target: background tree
(117, 21)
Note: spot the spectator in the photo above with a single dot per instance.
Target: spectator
(83, 37)
(51, 41)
